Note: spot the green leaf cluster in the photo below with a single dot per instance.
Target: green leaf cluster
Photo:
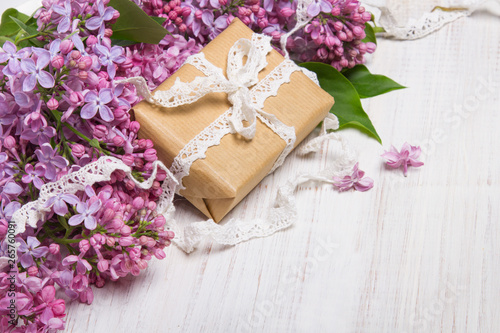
(18, 28)
(347, 88)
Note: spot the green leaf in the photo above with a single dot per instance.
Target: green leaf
(31, 21)
(33, 42)
(368, 84)
(95, 143)
(63, 222)
(8, 27)
(29, 29)
(159, 20)
(370, 34)
(135, 25)
(3, 39)
(121, 42)
(347, 105)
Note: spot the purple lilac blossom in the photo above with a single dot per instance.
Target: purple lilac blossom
(59, 203)
(97, 102)
(36, 72)
(86, 214)
(49, 158)
(31, 248)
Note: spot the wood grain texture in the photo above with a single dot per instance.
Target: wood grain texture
(415, 254)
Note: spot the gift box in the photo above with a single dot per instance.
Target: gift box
(230, 170)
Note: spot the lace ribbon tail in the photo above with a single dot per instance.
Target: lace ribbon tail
(425, 25)
(330, 123)
(281, 215)
(302, 19)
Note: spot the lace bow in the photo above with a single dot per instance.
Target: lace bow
(241, 76)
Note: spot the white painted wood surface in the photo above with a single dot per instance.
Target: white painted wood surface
(415, 254)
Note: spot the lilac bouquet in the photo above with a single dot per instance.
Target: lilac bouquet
(61, 107)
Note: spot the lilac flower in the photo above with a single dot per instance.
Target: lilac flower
(3, 157)
(355, 180)
(41, 136)
(12, 55)
(48, 157)
(35, 120)
(215, 3)
(51, 322)
(24, 304)
(31, 248)
(23, 99)
(75, 37)
(191, 20)
(10, 190)
(9, 209)
(59, 202)
(82, 265)
(318, 6)
(66, 16)
(7, 169)
(213, 27)
(407, 156)
(34, 174)
(116, 267)
(97, 102)
(269, 5)
(86, 214)
(110, 57)
(6, 108)
(80, 282)
(55, 47)
(4, 249)
(32, 283)
(36, 72)
(303, 50)
(64, 279)
(96, 22)
(315, 29)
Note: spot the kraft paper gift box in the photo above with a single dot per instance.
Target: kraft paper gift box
(232, 169)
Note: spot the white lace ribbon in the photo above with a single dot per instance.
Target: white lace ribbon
(98, 171)
(426, 24)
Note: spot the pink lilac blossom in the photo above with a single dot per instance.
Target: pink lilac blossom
(355, 180)
(54, 100)
(334, 35)
(408, 156)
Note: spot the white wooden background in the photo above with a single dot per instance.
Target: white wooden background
(415, 254)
